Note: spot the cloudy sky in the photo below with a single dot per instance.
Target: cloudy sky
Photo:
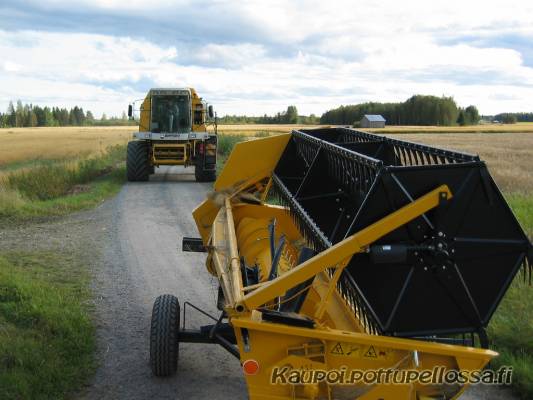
(257, 57)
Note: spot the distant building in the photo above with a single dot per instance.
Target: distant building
(373, 121)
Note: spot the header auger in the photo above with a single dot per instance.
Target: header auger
(382, 254)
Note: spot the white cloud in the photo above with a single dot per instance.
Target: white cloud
(255, 56)
(9, 66)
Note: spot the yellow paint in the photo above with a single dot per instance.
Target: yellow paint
(233, 228)
(199, 123)
(347, 248)
(251, 162)
(170, 153)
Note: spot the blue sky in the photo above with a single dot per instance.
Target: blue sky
(257, 57)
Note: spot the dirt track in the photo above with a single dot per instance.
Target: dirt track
(139, 235)
(142, 259)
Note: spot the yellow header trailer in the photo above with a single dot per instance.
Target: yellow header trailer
(358, 285)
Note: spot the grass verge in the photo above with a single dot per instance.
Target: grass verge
(14, 207)
(46, 336)
(522, 206)
(225, 145)
(511, 328)
(227, 142)
(59, 188)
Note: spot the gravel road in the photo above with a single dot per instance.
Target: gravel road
(142, 259)
(138, 238)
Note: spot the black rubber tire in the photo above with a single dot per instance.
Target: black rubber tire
(164, 332)
(203, 175)
(137, 162)
(221, 302)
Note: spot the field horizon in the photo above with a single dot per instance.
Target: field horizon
(508, 153)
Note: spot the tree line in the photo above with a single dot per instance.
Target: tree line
(290, 116)
(29, 115)
(417, 110)
(511, 118)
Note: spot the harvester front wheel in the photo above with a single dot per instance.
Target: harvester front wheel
(164, 331)
(204, 175)
(137, 163)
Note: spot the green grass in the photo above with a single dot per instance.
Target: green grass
(59, 188)
(46, 336)
(227, 142)
(225, 146)
(49, 181)
(511, 333)
(262, 134)
(511, 328)
(522, 206)
(13, 166)
(15, 208)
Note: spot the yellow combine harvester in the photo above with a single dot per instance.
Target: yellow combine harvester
(386, 259)
(173, 130)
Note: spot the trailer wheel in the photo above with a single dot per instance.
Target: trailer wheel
(164, 330)
(137, 163)
(203, 175)
(221, 302)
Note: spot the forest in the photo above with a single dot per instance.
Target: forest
(417, 110)
(29, 115)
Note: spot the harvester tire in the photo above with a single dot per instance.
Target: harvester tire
(221, 302)
(203, 175)
(164, 331)
(137, 163)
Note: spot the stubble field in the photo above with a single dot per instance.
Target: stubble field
(508, 154)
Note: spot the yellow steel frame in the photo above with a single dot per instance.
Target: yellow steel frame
(342, 251)
(277, 345)
(146, 113)
(189, 146)
(156, 147)
(228, 226)
(225, 252)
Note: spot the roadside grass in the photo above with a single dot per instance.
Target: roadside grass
(225, 146)
(50, 181)
(20, 165)
(46, 335)
(511, 333)
(522, 206)
(511, 328)
(59, 188)
(227, 142)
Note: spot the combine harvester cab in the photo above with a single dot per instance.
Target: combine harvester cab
(384, 255)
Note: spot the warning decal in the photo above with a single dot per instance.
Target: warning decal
(359, 351)
(371, 353)
(337, 349)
